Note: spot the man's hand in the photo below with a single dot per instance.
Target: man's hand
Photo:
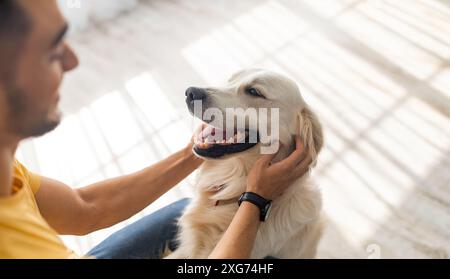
(270, 180)
(190, 146)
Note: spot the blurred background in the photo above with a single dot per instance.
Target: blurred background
(376, 72)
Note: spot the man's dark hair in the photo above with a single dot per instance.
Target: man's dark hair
(13, 20)
(14, 26)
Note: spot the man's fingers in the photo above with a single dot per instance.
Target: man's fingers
(298, 142)
(196, 132)
(267, 158)
(303, 167)
(297, 156)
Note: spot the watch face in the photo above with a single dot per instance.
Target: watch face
(267, 210)
(240, 199)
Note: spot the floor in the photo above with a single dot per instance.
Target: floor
(377, 72)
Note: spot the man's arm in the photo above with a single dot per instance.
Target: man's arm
(84, 210)
(238, 240)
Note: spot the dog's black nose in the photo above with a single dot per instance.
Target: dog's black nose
(195, 94)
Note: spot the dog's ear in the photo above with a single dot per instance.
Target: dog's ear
(310, 131)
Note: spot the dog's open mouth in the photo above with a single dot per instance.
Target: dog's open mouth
(214, 142)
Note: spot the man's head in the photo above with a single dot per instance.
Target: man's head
(33, 60)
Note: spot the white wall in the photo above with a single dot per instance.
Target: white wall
(81, 13)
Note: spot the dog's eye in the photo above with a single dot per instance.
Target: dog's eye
(254, 92)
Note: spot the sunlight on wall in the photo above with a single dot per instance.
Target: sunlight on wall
(405, 55)
(441, 82)
(246, 40)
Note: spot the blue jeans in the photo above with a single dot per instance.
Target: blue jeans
(147, 238)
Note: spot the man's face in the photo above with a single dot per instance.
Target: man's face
(43, 58)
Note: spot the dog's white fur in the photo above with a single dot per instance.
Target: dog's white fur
(294, 227)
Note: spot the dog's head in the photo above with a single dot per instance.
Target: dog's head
(246, 93)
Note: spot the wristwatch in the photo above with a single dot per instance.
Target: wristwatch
(264, 205)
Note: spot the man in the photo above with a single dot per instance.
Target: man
(33, 210)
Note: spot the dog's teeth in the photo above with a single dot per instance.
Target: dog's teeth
(231, 140)
(223, 141)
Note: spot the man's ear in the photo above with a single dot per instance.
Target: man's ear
(310, 132)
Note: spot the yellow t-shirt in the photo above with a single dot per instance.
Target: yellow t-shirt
(23, 231)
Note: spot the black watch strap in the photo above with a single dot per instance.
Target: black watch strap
(257, 200)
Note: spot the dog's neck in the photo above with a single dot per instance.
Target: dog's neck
(226, 179)
(223, 179)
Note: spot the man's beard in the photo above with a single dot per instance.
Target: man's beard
(24, 120)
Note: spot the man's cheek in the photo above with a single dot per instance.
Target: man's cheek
(55, 76)
(46, 87)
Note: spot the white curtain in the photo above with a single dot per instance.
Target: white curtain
(80, 13)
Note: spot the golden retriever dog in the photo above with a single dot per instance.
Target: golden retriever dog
(294, 226)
